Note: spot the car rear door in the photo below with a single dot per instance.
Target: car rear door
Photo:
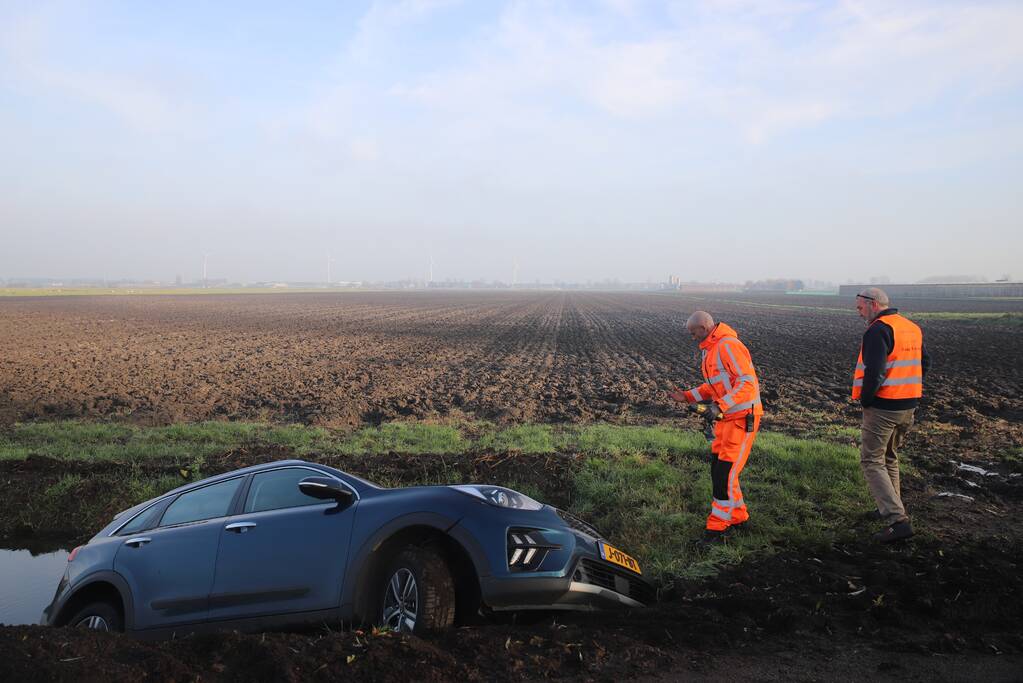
(170, 568)
(284, 553)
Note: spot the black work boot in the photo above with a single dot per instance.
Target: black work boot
(895, 532)
(711, 537)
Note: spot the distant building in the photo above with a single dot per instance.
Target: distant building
(775, 285)
(947, 290)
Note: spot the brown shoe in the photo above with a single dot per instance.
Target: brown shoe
(896, 532)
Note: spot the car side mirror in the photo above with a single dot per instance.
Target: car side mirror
(326, 488)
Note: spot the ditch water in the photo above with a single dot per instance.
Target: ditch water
(27, 584)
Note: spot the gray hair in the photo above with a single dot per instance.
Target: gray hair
(875, 294)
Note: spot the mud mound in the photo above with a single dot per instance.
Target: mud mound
(847, 611)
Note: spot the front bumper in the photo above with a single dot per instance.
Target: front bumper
(592, 585)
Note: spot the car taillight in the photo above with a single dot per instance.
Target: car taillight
(71, 557)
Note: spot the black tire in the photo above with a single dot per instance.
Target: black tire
(425, 604)
(98, 616)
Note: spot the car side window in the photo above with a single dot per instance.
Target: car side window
(138, 523)
(208, 502)
(278, 489)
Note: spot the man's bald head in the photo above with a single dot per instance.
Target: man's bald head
(700, 325)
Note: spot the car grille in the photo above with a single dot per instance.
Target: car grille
(620, 581)
(578, 524)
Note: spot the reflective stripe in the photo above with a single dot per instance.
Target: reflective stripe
(696, 394)
(740, 380)
(902, 363)
(738, 503)
(904, 380)
(721, 376)
(728, 350)
(893, 364)
(733, 474)
(857, 382)
(725, 379)
(744, 406)
(725, 514)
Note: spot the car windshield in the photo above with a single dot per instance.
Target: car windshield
(356, 478)
(363, 481)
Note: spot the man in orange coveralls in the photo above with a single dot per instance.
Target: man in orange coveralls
(732, 393)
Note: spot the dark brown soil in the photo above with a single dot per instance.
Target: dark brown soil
(350, 359)
(945, 606)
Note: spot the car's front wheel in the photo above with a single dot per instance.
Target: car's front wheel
(97, 616)
(419, 594)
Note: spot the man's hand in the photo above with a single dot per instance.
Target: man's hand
(707, 410)
(677, 395)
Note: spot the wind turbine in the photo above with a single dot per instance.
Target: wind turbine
(205, 259)
(430, 278)
(515, 272)
(329, 261)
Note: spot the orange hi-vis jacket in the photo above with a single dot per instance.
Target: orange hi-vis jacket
(731, 381)
(903, 370)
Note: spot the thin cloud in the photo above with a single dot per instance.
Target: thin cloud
(137, 99)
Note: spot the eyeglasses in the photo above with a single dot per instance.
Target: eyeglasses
(864, 296)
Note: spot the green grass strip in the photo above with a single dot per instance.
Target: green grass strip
(646, 488)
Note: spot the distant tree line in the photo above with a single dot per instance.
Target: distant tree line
(775, 285)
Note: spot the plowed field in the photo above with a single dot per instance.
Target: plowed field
(359, 358)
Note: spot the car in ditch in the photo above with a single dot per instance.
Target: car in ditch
(291, 542)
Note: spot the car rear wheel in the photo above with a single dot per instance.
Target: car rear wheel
(97, 616)
(419, 594)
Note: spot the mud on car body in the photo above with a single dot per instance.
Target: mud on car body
(295, 542)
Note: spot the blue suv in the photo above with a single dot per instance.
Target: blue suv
(294, 542)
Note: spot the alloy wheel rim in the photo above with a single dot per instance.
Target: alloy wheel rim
(94, 623)
(401, 602)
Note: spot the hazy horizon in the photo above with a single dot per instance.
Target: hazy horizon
(717, 140)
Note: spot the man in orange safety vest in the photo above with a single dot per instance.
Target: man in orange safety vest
(888, 382)
(732, 394)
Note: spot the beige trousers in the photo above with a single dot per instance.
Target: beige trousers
(881, 435)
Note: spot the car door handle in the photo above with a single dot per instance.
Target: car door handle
(240, 527)
(138, 541)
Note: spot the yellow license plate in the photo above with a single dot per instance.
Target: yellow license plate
(616, 556)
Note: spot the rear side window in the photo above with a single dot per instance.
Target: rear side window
(138, 523)
(206, 503)
(278, 489)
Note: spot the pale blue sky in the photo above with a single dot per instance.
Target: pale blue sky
(715, 140)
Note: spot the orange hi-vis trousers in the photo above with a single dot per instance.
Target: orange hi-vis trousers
(732, 445)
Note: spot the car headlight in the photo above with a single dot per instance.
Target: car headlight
(501, 497)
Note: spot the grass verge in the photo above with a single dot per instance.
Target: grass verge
(646, 488)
